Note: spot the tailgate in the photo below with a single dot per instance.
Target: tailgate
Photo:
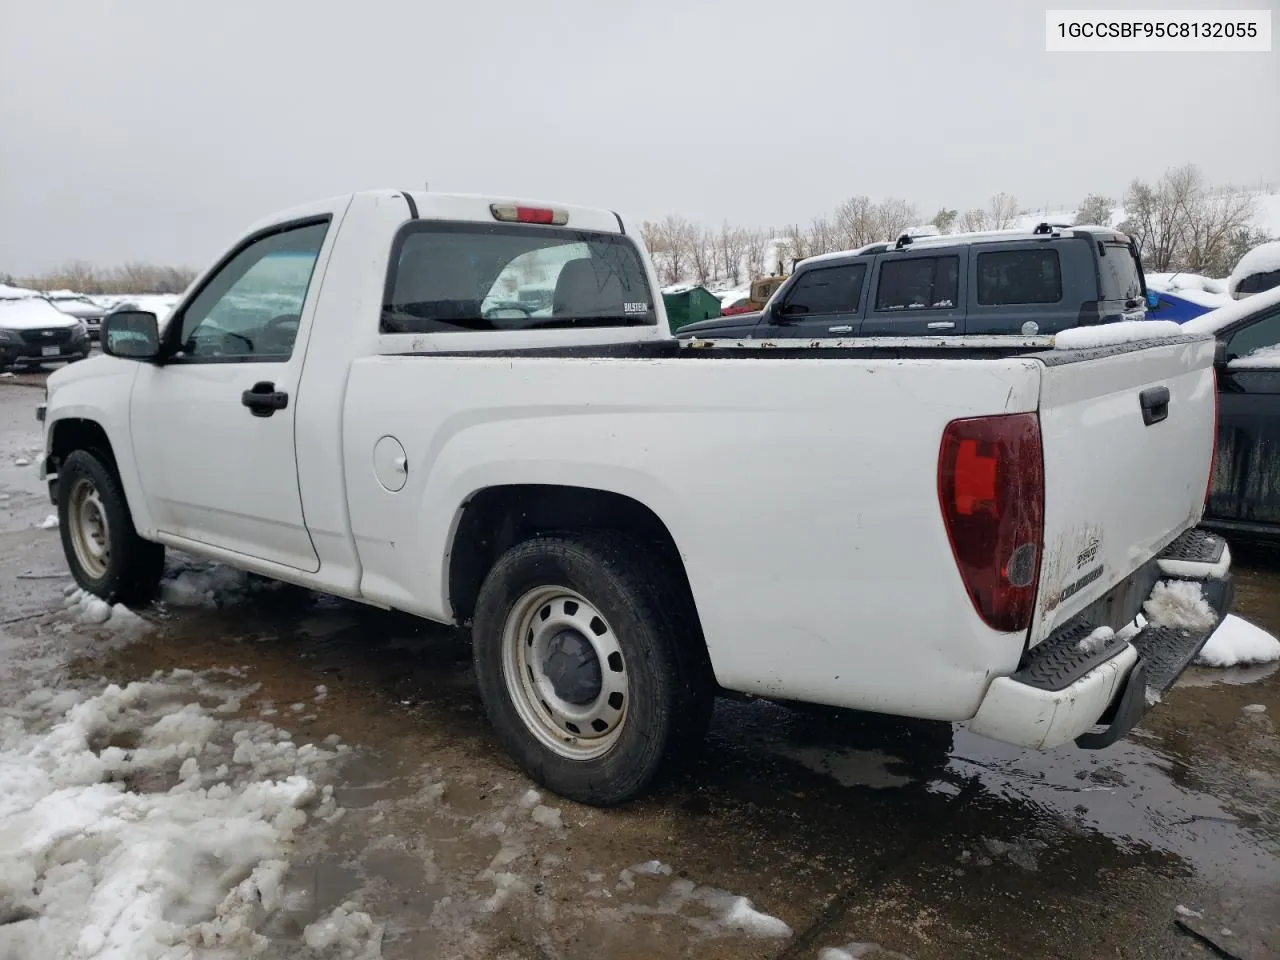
(1124, 473)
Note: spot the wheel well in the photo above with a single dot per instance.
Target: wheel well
(496, 519)
(76, 434)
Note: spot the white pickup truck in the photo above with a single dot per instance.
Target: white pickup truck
(357, 399)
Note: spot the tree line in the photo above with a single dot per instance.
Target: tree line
(83, 277)
(1179, 222)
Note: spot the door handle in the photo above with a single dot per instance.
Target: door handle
(263, 399)
(1155, 404)
(942, 325)
(840, 328)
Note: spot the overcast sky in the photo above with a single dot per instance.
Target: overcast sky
(156, 130)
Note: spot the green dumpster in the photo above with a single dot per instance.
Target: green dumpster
(687, 303)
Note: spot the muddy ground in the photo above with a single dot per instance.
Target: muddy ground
(852, 832)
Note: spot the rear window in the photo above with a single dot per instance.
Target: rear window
(922, 283)
(1019, 276)
(448, 277)
(829, 290)
(1118, 272)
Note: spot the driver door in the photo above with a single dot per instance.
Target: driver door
(213, 427)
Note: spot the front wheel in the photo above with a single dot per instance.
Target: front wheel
(585, 653)
(102, 547)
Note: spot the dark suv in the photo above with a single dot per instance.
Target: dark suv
(1002, 282)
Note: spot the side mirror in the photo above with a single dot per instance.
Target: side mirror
(1153, 300)
(132, 334)
(784, 312)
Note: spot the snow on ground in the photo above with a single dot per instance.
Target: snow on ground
(143, 822)
(709, 910)
(1238, 642)
(1108, 334)
(857, 951)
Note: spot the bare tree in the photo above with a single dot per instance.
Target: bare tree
(854, 222)
(822, 237)
(731, 249)
(892, 217)
(1157, 217)
(1003, 210)
(1214, 219)
(674, 238)
(702, 254)
(1096, 209)
(759, 247)
(974, 221)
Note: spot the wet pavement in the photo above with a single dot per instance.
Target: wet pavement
(850, 830)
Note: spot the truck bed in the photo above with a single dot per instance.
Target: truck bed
(870, 348)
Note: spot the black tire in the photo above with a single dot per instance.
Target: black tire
(670, 695)
(133, 566)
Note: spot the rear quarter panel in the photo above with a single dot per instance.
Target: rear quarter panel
(802, 495)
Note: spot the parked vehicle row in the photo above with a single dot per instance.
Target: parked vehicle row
(999, 282)
(581, 489)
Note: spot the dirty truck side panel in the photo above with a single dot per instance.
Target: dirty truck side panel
(848, 570)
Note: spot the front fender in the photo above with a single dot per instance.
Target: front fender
(99, 393)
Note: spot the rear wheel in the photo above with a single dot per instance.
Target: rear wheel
(585, 652)
(102, 547)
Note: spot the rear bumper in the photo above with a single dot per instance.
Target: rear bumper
(1096, 694)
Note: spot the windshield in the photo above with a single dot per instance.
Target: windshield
(474, 276)
(1119, 272)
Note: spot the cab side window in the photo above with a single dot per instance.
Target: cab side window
(1259, 341)
(921, 283)
(1019, 276)
(827, 290)
(251, 308)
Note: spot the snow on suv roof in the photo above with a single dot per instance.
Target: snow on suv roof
(982, 236)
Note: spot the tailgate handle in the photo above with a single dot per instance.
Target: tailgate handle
(1155, 404)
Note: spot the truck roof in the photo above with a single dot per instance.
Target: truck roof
(425, 205)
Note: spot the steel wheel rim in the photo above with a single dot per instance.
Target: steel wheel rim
(577, 731)
(89, 529)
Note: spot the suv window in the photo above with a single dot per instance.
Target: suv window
(1259, 340)
(827, 290)
(1019, 276)
(250, 309)
(922, 283)
(449, 277)
(1118, 272)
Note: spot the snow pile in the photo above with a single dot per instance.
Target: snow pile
(1264, 258)
(89, 610)
(1215, 320)
(131, 828)
(1238, 642)
(1109, 334)
(1179, 604)
(350, 933)
(15, 293)
(1182, 282)
(50, 522)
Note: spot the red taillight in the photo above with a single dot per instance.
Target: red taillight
(513, 213)
(991, 488)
